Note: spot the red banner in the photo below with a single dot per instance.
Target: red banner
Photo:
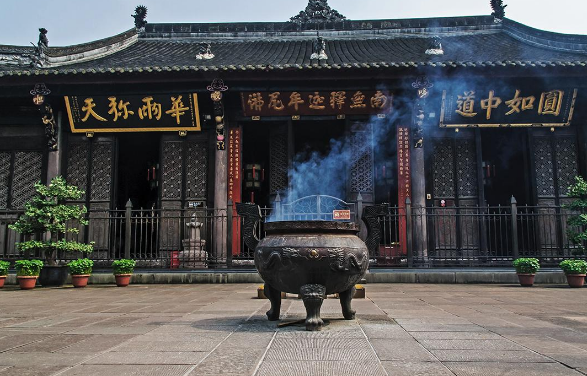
(404, 181)
(234, 182)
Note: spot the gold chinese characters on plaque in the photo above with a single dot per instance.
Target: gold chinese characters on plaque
(132, 113)
(515, 107)
(325, 102)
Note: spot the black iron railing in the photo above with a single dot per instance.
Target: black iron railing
(198, 238)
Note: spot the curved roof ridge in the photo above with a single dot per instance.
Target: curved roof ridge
(546, 39)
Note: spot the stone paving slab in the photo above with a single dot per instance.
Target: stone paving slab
(401, 329)
(408, 368)
(510, 369)
(126, 370)
(322, 368)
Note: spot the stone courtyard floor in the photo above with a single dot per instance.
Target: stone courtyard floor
(220, 329)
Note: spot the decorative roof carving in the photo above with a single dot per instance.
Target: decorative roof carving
(498, 10)
(140, 17)
(205, 52)
(43, 40)
(319, 49)
(317, 11)
(435, 47)
(217, 85)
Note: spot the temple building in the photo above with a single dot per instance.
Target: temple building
(479, 122)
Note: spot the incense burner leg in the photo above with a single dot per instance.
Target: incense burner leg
(313, 296)
(274, 297)
(345, 302)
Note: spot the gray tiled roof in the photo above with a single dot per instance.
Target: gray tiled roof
(466, 41)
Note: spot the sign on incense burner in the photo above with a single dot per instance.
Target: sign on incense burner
(507, 107)
(325, 102)
(133, 113)
(341, 215)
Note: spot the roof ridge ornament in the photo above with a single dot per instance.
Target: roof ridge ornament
(317, 11)
(140, 17)
(319, 49)
(43, 42)
(205, 51)
(498, 10)
(435, 47)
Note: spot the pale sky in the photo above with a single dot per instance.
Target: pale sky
(78, 21)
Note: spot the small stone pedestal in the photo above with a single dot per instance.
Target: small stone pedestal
(194, 253)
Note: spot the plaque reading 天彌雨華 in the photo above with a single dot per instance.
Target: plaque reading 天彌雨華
(133, 113)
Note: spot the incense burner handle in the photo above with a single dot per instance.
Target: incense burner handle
(252, 215)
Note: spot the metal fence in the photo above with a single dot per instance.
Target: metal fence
(412, 236)
(474, 236)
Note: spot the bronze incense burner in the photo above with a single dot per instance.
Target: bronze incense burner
(310, 258)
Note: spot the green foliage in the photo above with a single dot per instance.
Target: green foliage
(526, 265)
(574, 266)
(577, 223)
(4, 265)
(28, 267)
(48, 211)
(80, 266)
(123, 266)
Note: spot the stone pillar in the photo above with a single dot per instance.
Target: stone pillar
(219, 250)
(420, 244)
(220, 201)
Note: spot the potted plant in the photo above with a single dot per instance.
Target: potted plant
(80, 271)
(4, 265)
(47, 216)
(27, 272)
(122, 270)
(575, 271)
(526, 269)
(577, 222)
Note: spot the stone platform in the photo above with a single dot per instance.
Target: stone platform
(221, 329)
(398, 275)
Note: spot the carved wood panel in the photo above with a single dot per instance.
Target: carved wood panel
(278, 159)
(101, 178)
(77, 166)
(443, 169)
(361, 159)
(5, 158)
(172, 169)
(27, 171)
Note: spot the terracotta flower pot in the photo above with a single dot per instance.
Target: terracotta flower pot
(576, 280)
(2, 280)
(27, 282)
(526, 279)
(122, 280)
(80, 280)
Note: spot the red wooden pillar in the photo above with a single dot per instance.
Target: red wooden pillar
(404, 189)
(234, 182)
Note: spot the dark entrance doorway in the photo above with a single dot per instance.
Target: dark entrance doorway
(505, 166)
(138, 169)
(256, 165)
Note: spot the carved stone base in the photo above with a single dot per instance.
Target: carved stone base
(193, 255)
(313, 296)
